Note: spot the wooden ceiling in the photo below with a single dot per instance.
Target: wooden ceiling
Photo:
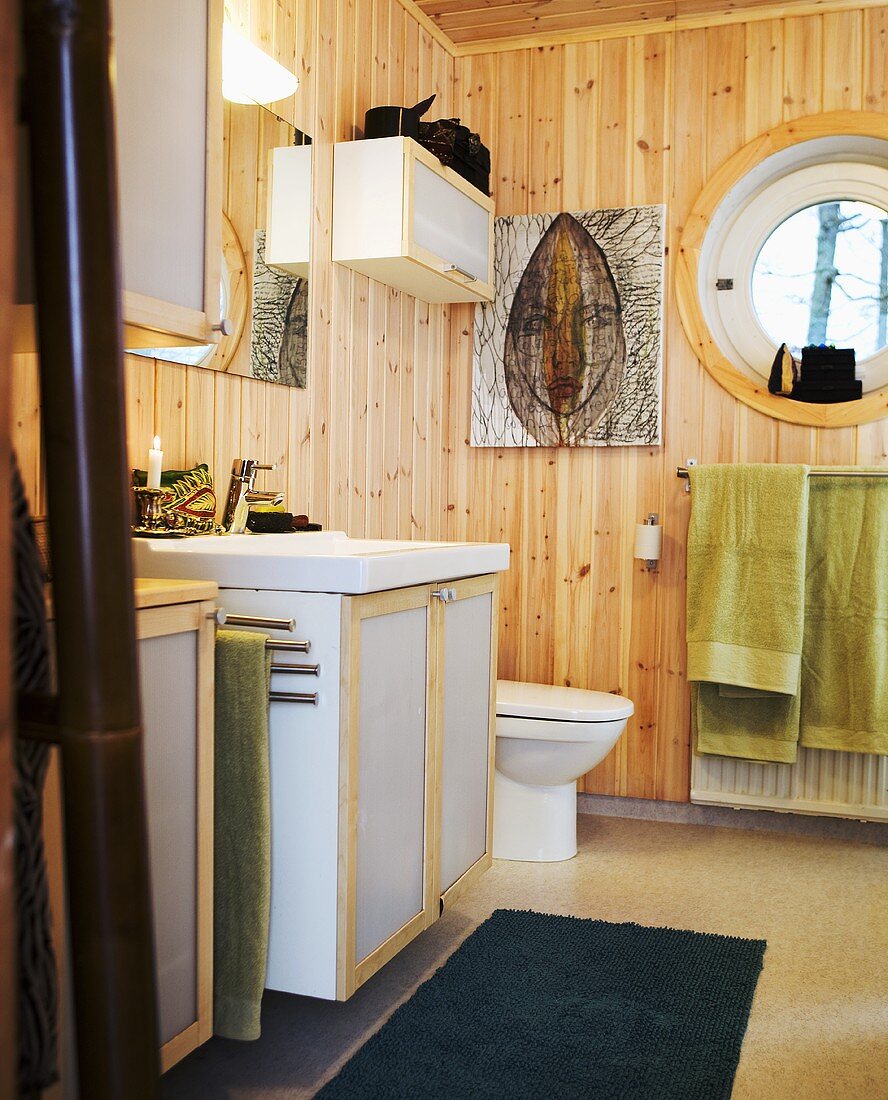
(472, 26)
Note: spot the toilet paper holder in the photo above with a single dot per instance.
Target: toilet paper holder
(649, 541)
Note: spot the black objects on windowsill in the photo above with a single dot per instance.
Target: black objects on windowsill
(825, 376)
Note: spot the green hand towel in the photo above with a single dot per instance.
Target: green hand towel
(242, 833)
(845, 656)
(746, 576)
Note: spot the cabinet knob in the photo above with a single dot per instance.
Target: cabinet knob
(225, 327)
(445, 595)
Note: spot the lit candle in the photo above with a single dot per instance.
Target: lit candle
(155, 464)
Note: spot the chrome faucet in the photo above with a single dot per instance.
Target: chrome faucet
(242, 493)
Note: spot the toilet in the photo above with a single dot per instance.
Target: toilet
(546, 738)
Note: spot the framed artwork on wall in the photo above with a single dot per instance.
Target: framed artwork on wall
(570, 352)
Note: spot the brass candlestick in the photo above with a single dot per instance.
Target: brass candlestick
(151, 518)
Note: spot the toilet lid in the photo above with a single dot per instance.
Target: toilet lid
(559, 704)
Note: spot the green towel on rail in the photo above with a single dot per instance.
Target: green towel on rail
(242, 833)
(845, 657)
(745, 626)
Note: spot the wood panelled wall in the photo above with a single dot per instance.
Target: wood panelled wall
(361, 448)
(377, 444)
(636, 120)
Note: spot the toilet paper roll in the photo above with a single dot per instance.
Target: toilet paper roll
(648, 541)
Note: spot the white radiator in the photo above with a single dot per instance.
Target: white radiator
(838, 784)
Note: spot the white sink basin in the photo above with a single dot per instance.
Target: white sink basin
(322, 561)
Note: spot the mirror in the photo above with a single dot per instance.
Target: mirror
(265, 304)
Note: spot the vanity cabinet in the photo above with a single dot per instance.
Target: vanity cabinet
(175, 633)
(401, 217)
(381, 772)
(175, 629)
(168, 113)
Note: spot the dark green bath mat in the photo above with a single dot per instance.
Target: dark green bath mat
(557, 1007)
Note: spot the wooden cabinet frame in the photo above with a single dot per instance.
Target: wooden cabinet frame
(163, 608)
(161, 622)
(483, 288)
(464, 589)
(351, 972)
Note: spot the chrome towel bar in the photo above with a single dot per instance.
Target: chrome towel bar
(284, 646)
(682, 471)
(298, 670)
(223, 618)
(293, 697)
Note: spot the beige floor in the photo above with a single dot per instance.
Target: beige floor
(819, 1023)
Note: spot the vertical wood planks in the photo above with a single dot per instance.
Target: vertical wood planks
(683, 413)
(169, 410)
(875, 59)
(651, 157)
(141, 426)
(24, 427)
(606, 534)
(378, 443)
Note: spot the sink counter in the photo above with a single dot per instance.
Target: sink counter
(322, 561)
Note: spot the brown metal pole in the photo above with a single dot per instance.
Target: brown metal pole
(68, 106)
(8, 969)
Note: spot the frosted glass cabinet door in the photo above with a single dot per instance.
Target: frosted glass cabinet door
(169, 164)
(387, 733)
(176, 676)
(465, 727)
(168, 675)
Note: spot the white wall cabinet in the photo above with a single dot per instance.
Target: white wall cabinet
(288, 214)
(401, 217)
(381, 784)
(168, 109)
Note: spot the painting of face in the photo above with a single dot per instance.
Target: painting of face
(565, 352)
(568, 355)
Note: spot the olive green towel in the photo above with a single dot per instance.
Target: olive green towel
(242, 833)
(845, 658)
(745, 628)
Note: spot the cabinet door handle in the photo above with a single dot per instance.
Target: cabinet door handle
(467, 275)
(282, 645)
(293, 697)
(445, 595)
(224, 619)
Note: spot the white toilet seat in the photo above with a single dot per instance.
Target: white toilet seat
(515, 699)
(547, 737)
(552, 729)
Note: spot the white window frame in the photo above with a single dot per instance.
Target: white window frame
(803, 175)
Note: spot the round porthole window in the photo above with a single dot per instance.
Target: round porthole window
(821, 277)
(788, 243)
